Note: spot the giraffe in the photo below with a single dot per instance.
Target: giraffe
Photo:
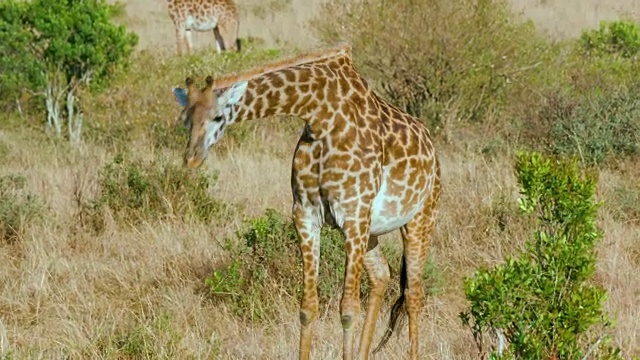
(221, 16)
(360, 164)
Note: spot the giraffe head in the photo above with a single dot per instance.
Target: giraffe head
(206, 112)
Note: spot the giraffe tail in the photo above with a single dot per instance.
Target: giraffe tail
(397, 311)
(238, 44)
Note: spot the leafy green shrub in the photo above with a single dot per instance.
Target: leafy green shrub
(603, 59)
(266, 264)
(594, 127)
(620, 37)
(17, 208)
(437, 63)
(63, 46)
(544, 301)
(135, 191)
(15, 43)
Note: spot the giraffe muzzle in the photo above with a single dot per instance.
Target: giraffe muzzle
(193, 162)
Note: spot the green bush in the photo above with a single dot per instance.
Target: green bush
(603, 59)
(595, 127)
(18, 63)
(134, 191)
(462, 59)
(620, 37)
(266, 265)
(545, 301)
(17, 208)
(57, 47)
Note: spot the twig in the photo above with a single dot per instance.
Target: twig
(592, 348)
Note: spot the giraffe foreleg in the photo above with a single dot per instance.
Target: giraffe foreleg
(378, 272)
(357, 236)
(308, 225)
(188, 40)
(180, 36)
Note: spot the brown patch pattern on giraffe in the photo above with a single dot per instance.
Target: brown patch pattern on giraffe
(360, 164)
(219, 16)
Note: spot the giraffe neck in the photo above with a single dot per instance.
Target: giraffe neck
(314, 87)
(297, 92)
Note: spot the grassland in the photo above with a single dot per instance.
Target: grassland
(80, 279)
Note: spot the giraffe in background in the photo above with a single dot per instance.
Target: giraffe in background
(221, 16)
(361, 165)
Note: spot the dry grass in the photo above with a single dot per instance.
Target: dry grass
(139, 292)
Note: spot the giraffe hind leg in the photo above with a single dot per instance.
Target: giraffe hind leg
(189, 41)
(219, 40)
(378, 273)
(227, 36)
(416, 236)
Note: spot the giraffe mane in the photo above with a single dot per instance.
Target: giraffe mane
(341, 50)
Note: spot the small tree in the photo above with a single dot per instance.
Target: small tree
(18, 63)
(75, 45)
(544, 302)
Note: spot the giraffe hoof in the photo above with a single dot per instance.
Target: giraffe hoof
(305, 319)
(347, 321)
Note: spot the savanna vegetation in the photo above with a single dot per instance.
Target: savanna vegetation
(109, 248)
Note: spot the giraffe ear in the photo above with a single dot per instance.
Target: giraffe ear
(233, 95)
(181, 96)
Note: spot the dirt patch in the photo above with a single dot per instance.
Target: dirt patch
(566, 18)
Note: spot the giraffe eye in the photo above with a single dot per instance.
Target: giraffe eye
(218, 118)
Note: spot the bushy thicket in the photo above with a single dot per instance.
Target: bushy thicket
(438, 59)
(593, 113)
(134, 190)
(594, 127)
